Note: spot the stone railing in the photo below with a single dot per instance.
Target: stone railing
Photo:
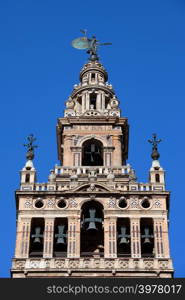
(118, 186)
(87, 170)
(124, 264)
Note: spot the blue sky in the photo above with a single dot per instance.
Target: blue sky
(38, 68)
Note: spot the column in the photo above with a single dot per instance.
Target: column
(161, 238)
(110, 237)
(67, 152)
(48, 238)
(98, 101)
(87, 101)
(135, 238)
(73, 249)
(103, 101)
(117, 155)
(83, 103)
(23, 238)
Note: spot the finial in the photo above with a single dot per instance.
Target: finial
(91, 44)
(30, 147)
(155, 154)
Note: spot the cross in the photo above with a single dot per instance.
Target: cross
(93, 152)
(147, 234)
(123, 235)
(92, 218)
(154, 141)
(37, 236)
(61, 235)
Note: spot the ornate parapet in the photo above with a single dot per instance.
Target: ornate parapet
(98, 265)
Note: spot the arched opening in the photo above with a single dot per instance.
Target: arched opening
(27, 179)
(157, 177)
(37, 237)
(93, 97)
(147, 237)
(60, 237)
(92, 233)
(92, 153)
(123, 237)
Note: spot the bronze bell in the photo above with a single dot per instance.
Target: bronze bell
(123, 236)
(61, 235)
(37, 235)
(147, 236)
(92, 220)
(91, 226)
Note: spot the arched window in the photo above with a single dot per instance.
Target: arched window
(27, 179)
(60, 237)
(157, 177)
(123, 237)
(92, 153)
(92, 233)
(93, 97)
(147, 237)
(37, 237)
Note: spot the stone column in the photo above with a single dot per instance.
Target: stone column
(48, 238)
(67, 152)
(103, 101)
(83, 103)
(87, 101)
(161, 238)
(135, 238)
(117, 159)
(73, 249)
(98, 102)
(110, 237)
(23, 238)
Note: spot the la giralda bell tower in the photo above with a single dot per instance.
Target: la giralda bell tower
(92, 218)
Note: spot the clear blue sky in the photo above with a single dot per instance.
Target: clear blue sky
(38, 69)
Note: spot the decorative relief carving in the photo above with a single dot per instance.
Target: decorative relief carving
(20, 264)
(148, 264)
(163, 264)
(157, 203)
(59, 263)
(28, 203)
(112, 203)
(134, 203)
(73, 203)
(34, 264)
(51, 203)
(123, 264)
(73, 264)
(109, 264)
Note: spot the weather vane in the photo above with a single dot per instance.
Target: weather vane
(155, 154)
(30, 147)
(91, 44)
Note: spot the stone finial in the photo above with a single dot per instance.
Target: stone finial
(155, 154)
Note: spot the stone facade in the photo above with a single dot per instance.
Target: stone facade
(93, 188)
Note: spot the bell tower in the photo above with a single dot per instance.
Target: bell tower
(92, 217)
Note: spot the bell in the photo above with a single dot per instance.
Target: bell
(91, 226)
(60, 235)
(123, 236)
(147, 236)
(123, 240)
(37, 236)
(92, 220)
(147, 241)
(60, 241)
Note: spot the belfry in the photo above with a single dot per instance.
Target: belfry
(92, 218)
